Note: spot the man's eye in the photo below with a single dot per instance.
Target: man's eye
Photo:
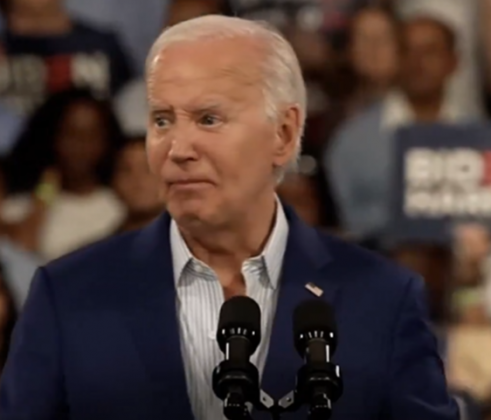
(209, 120)
(161, 122)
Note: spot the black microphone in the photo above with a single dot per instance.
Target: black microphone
(319, 381)
(236, 379)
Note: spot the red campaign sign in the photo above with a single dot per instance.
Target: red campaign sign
(58, 72)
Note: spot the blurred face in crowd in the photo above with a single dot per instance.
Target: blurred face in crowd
(374, 46)
(34, 6)
(428, 58)
(210, 140)
(299, 191)
(182, 10)
(137, 188)
(81, 141)
(312, 49)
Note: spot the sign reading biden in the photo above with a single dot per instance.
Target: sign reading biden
(443, 174)
(447, 182)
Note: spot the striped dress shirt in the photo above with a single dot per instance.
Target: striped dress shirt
(199, 299)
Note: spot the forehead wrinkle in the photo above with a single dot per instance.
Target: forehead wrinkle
(241, 77)
(241, 61)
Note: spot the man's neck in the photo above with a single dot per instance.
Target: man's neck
(225, 250)
(53, 22)
(427, 109)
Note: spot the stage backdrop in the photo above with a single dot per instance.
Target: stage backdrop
(442, 177)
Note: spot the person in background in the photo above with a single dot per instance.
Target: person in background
(469, 343)
(317, 62)
(337, 15)
(8, 317)
(469, 335)
(137, 23)
(433, 261)
(307, 192)
(11, 125)
(472, 246)
(131, 104)
(136, 186)
(373, 56)
(10, 122)
(47, 51)
(465, 89)
(17, 265)
(359, 161)
(59, 172)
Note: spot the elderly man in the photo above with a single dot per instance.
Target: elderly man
(124, 329)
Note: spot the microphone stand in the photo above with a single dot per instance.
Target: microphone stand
(235, 407)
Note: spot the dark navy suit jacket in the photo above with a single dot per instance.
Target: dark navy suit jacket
(98, 337)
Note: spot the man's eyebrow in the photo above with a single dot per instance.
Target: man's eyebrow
(156, 107)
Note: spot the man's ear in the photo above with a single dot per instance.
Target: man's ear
(287, 135)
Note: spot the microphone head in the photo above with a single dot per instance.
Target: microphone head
(239, 316)
(313, 319)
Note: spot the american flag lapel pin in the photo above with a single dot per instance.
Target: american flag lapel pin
(312, 288)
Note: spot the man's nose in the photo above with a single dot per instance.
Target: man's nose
(182, 146)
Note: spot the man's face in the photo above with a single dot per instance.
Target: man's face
(428, 58)
(209, 140)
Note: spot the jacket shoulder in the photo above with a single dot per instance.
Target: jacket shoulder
(361, 267)
(93, 271)
(94, 256)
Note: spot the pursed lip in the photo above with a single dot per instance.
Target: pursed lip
(190, 182)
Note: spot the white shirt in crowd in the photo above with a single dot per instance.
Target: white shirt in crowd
(397, 112)
(72, 221)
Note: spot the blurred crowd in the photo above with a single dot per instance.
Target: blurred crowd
(73, 120)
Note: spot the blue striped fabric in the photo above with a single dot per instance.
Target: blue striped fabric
(199, 299)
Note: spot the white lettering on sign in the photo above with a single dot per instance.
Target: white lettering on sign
(91, 70)
(446, 182)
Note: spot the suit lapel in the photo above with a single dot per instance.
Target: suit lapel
(150, 311)
(305, 261)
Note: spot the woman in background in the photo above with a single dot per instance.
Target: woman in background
(372, 56)
(59, 172)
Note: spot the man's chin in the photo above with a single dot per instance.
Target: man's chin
(188, 214)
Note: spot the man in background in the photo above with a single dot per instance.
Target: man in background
(360, 158)
(46, 51)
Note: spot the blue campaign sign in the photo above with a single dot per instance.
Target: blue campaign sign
(442, 176)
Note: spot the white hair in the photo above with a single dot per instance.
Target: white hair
(282, 75)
